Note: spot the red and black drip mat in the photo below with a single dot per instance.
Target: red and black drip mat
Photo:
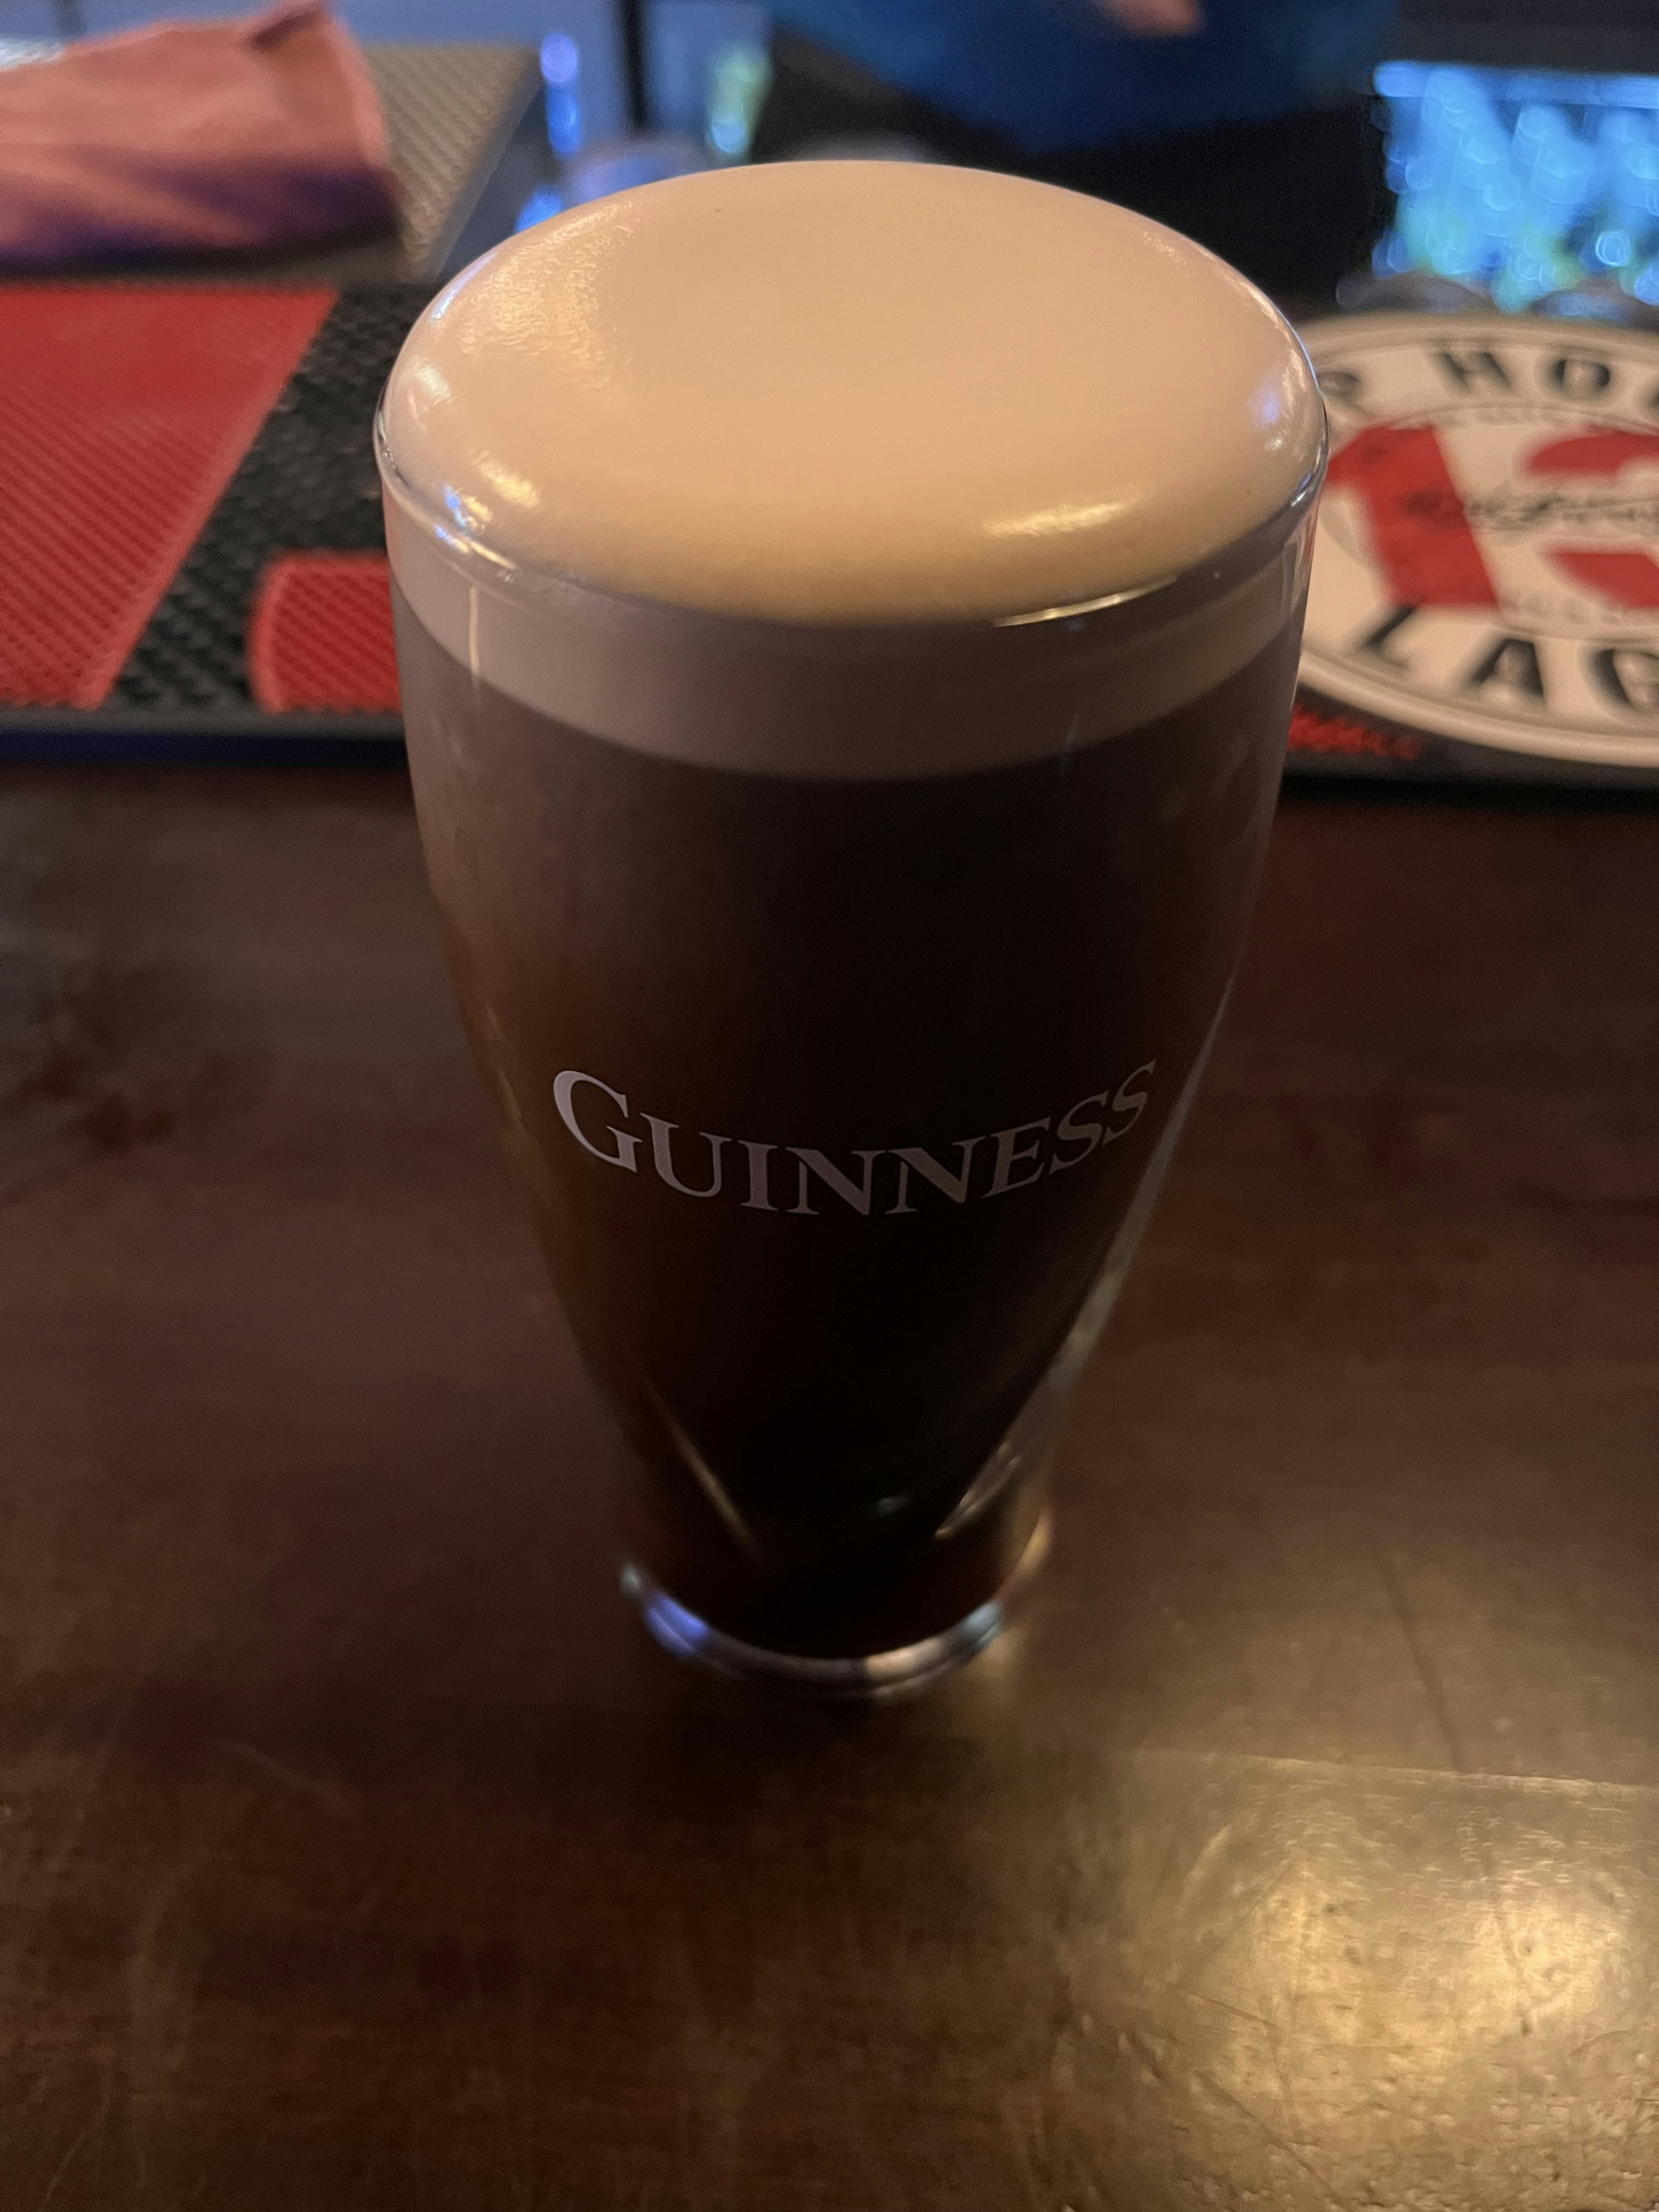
(192, 543)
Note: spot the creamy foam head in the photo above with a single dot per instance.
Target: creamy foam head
(851, 470)
(853, 392)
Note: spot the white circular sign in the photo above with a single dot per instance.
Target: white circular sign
(1487, 560)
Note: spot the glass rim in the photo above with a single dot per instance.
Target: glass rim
(1228, 566)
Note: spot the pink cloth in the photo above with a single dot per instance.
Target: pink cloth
(191, 138)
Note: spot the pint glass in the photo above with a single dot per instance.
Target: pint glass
(842, 897)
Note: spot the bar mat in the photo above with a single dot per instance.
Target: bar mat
(261, 608)
(204, 558)
(308, 485)
(125, 413)
(1484, 604)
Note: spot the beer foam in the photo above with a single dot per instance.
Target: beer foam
(855, 412)
(850, 392)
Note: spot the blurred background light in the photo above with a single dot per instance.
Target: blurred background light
(1522, 183)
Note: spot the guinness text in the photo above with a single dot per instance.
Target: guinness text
(772, 1178)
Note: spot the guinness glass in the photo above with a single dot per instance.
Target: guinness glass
(848, 616)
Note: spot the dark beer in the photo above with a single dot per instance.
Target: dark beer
(840, 989)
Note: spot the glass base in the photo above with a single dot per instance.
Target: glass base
(881, 1673)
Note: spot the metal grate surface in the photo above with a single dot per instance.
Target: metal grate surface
(449, 112)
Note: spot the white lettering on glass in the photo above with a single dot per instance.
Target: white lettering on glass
(1074, 1131)
(758, 1201)
(1132, 1102)
(627, 1146)
(1020, 1156)
(955, 1186)
(814, 1163)
(662, 1154)
(1010, 1154)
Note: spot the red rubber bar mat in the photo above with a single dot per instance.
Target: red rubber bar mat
(319, 636)
(124, 413)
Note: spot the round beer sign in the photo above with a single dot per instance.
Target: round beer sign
(1487, 563)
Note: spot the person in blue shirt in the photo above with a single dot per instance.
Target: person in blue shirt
(1248, 124)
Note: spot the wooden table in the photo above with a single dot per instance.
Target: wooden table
(1299, 1850)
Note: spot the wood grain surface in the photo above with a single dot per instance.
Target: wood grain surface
(1299, 1848)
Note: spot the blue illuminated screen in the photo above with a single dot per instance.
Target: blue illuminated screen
(1522, 183)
